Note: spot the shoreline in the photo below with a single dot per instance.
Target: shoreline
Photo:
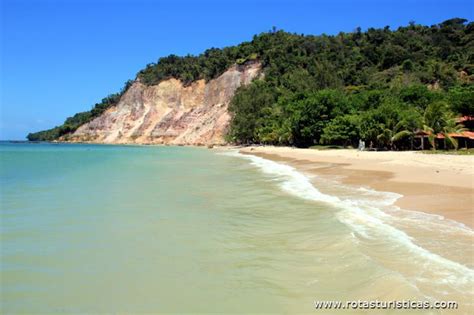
(436, 184)
(431, 183)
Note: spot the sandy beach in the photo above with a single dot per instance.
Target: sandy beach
(433, 183)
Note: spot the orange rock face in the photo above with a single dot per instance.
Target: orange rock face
(170, 113)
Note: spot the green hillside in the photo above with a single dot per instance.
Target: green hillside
(379, 85)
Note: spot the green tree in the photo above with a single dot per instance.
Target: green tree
(246, 107)
(342, 130)
(312, 112)
(451, 127)
(461, 99)
(438, 119)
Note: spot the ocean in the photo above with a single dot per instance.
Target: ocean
(135, 229)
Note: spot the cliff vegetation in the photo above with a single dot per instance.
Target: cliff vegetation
(380, 85)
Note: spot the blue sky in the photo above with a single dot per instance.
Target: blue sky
(61, 57)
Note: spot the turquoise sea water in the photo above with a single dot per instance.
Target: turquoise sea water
(97, 228)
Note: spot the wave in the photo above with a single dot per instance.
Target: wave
(361, 211)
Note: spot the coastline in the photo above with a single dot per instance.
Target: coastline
(436, 184)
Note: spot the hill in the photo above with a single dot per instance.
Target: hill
(380, 85)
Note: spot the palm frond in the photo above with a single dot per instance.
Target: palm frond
(402, 134)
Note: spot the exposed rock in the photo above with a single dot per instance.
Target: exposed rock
(170, 113)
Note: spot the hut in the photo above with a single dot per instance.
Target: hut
(465, 140)
(467, 121)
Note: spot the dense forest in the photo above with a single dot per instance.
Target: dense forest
(379, 85)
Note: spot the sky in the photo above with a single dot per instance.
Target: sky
(61, 57)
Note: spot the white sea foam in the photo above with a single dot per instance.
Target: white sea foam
(364, 216)
(291, 180)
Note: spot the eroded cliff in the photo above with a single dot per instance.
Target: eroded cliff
(169, 113)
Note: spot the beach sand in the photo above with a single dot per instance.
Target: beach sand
(432, 183)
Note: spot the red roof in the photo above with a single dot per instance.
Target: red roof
(464, 134)
(464, 118)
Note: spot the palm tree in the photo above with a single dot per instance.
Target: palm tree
(402, 134)
(385, 136)
(431, 136)
(435, 119)
(438, 119)
(389, 135)
(450, 128)
(406, 127)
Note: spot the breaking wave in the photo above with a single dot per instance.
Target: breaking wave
(362, 211)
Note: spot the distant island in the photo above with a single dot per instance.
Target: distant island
(410, 88)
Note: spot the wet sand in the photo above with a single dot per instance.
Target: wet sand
(438, 184)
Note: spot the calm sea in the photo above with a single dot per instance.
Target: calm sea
(97, 228)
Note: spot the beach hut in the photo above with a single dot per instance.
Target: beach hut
(465, 139)
(467, 121)
(423, 142)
